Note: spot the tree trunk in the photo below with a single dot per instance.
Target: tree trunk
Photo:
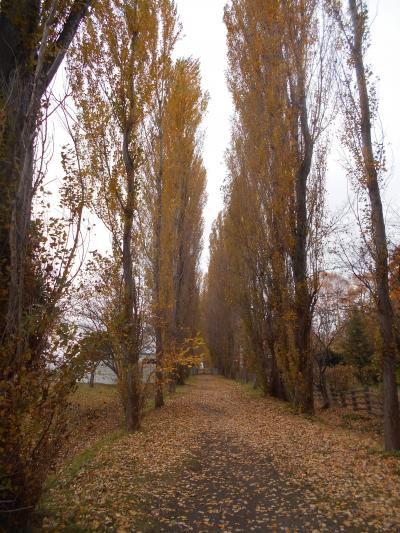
(91, 378)
(182, 373)
(158, 313)
(276, 387)
(130, 372)
(133, 399)
(28, 63)
(159, 396)
(326, 402)
(131, 382)
(385, 310)
(304, 396)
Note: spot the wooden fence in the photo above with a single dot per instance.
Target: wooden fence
(367, 400)
(357, 400)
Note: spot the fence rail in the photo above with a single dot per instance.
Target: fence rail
(365, 399)
(357, 400)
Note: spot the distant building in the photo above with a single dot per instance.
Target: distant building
(105, 375)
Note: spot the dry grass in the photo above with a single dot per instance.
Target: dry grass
(86, 397)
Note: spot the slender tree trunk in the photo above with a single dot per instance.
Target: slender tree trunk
(276, 386)
(385, 310)
(278, 285)
(323, 387)
(277, 389)
(92, 375)
(131, 379)
(159, 395)
(179, 274)
(133, 398)
(158, 312)
(130, 372)
(304, 397)
(182, 374)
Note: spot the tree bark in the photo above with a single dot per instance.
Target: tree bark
(304, 396)
(159, 322)
(326, 402)
(28, 63)
(92, 375)
(131, 320)
(26, 70)
(276, 388)
(385, 310)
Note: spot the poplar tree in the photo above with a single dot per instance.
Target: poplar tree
(277, 161)
(360, 111)
(111, 81)
(176, 204)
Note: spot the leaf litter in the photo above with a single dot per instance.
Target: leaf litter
(216, 458)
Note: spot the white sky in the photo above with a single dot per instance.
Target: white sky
(204, 38)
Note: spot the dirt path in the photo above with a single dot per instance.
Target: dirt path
(219, 459)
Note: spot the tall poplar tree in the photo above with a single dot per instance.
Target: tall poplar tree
(112, 83)
(279, 75)
(360, 109)
(176, 203)
(162, 69)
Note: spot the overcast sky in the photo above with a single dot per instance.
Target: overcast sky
(205, 38)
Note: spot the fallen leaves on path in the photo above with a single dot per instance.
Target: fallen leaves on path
(218, 459)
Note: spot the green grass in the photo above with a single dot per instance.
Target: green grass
(384, 453)
(92, 397)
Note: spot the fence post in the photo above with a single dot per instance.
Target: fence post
(343, 398)
(367, 400)
(354, 401)
(329, 394)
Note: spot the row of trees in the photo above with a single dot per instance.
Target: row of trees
(292, 64)
(134, 165)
